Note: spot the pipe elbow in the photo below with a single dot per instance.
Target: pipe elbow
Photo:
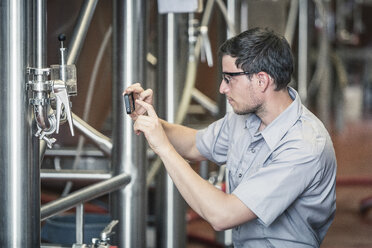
(41, 116)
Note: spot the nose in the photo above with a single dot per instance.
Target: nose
(223, 87)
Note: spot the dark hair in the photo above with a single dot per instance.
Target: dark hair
(261, 49)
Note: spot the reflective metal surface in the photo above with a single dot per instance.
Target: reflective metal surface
(100, 140)
(72, 175)
(80, 31)
(15, 131)
(83, 195)
(128, 155)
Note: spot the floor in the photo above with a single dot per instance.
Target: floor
(351, 228)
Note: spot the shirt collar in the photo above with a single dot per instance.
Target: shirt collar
(275, 131)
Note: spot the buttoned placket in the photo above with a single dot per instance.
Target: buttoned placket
(248, 153)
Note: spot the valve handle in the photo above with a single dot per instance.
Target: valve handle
(62, 37)
(62, 49)
(62, 98)
(107, 232)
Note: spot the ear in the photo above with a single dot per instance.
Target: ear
(264, 80)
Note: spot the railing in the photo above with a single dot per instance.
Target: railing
(83, 195)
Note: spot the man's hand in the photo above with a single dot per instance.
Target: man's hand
(141, 94)
(152, 128)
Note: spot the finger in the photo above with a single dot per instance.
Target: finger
(146, 120)
(145, 94)
(134, 116)
(149, 108)
(143, 124)
(136, 88)
(137, 132)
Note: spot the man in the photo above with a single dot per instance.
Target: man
(279, 156)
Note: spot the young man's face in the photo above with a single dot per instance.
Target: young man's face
(241, 92)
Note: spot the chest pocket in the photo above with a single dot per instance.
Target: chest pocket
(234, 166)
(232, 163)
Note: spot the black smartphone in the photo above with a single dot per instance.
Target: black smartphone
(129, 103)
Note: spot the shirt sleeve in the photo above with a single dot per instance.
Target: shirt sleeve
(212, 142)
(273, 188)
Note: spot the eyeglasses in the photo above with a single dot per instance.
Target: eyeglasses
(227, 76)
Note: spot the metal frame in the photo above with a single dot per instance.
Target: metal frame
(84, 195)
(128, 205)
(21, 152)
(23, 27)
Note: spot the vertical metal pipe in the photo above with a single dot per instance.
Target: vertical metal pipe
(15, 130)
(231, 13)
(170, 214)
(129, 56)
(80, 223)
(203, 169)
(38, 54)
(40, 34)
(233, 16)
(225, 237)
(302, 49)
(173, 233)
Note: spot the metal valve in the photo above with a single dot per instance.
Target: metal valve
(59, 87)
(63, 77)
(105, 235)
(107, 232)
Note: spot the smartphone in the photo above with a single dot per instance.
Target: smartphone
(129, 103)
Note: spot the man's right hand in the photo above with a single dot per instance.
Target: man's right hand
(141, 94)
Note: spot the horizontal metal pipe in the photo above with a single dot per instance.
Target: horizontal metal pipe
(100, 140)
(53, 246)
(71, 152)
(84, 195)
(82, 175)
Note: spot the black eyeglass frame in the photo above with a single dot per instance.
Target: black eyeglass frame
(233, 74)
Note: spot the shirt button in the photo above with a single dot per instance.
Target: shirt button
(253, 150)
(240, 175)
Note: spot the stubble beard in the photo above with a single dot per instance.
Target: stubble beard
(249, 110)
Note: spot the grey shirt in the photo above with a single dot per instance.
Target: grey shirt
(285, 174)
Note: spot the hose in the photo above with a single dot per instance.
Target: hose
(321, 63)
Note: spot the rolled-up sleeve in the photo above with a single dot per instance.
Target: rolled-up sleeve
(212, 142)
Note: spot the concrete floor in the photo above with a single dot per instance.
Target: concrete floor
(354, 183)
